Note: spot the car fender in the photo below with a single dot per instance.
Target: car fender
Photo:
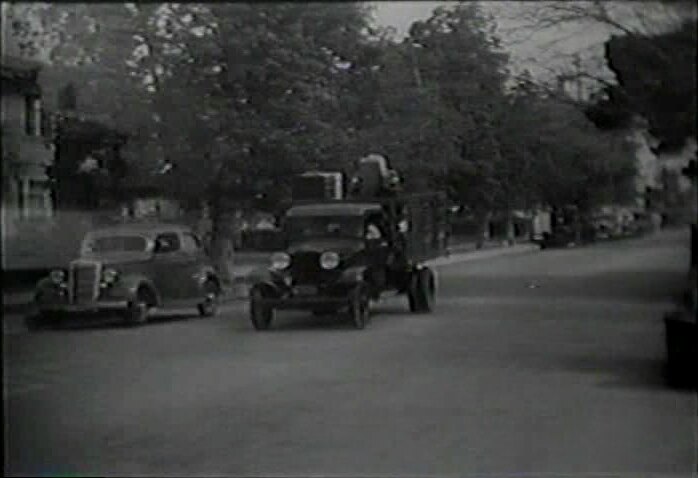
(45, 284)
(47, 291)
(128, 287)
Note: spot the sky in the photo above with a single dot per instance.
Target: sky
(547, 51)
(539, 54)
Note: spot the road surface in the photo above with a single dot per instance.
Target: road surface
(544, 362)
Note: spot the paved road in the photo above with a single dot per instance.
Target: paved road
(546, 362)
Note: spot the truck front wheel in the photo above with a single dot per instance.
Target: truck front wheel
(421, 294)
(359, 309)
(261, 315)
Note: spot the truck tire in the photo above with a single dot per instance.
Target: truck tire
(261, 315)
(359, 307)
(421, 294)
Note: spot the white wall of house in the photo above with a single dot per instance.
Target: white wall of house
(26, 195)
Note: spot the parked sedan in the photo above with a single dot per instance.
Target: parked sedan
(132, 269)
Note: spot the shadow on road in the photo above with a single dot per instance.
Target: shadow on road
(626, 372)
(76, 324)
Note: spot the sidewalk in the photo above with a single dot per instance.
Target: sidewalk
(19, 301)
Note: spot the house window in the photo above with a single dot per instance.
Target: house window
(32, 115)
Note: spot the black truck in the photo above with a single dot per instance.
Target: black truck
(341, 254)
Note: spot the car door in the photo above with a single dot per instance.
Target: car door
(193, 249)
(172, 266)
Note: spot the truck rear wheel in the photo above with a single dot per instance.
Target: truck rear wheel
(421, 294)
(261, 315)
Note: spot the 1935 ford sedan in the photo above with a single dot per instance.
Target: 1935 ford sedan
(130, 269)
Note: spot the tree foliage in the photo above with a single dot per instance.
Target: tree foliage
(231, 94)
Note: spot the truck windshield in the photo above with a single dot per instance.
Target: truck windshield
(116, 244)
(324, 226)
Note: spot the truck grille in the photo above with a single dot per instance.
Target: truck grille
(85, 281)
(305, 268)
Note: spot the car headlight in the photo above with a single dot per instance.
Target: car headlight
(280, 261)
(329, 260)
(109, 276)
(57, 276)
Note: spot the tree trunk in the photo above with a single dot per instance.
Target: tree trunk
(221, 248)
(510, 238)
(484, 229)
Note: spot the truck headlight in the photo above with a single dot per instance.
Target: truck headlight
(57, 276)
(280, 261)
(329, 260)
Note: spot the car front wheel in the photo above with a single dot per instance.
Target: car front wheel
(137, 311)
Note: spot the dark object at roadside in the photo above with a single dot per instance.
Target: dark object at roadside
(681, 331)
(131, 269)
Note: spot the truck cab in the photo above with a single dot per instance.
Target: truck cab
(341, 254)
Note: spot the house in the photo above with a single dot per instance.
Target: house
(50, 196)
(26, 152)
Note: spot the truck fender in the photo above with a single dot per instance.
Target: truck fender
(353, 275)
(130, 285)
(265, 277)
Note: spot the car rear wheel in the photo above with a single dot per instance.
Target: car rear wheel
(261, 315)
(209, 306)
(359, 307)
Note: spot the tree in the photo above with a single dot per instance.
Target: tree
(649, 58)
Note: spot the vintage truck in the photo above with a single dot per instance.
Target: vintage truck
(341, 254)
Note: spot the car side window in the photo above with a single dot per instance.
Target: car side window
(167, 242)
(190, 243)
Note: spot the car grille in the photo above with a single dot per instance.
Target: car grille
(84, 281)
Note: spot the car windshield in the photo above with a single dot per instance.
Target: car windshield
(324, 226)
(116, 244)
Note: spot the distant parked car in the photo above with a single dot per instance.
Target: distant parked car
(130, 269)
